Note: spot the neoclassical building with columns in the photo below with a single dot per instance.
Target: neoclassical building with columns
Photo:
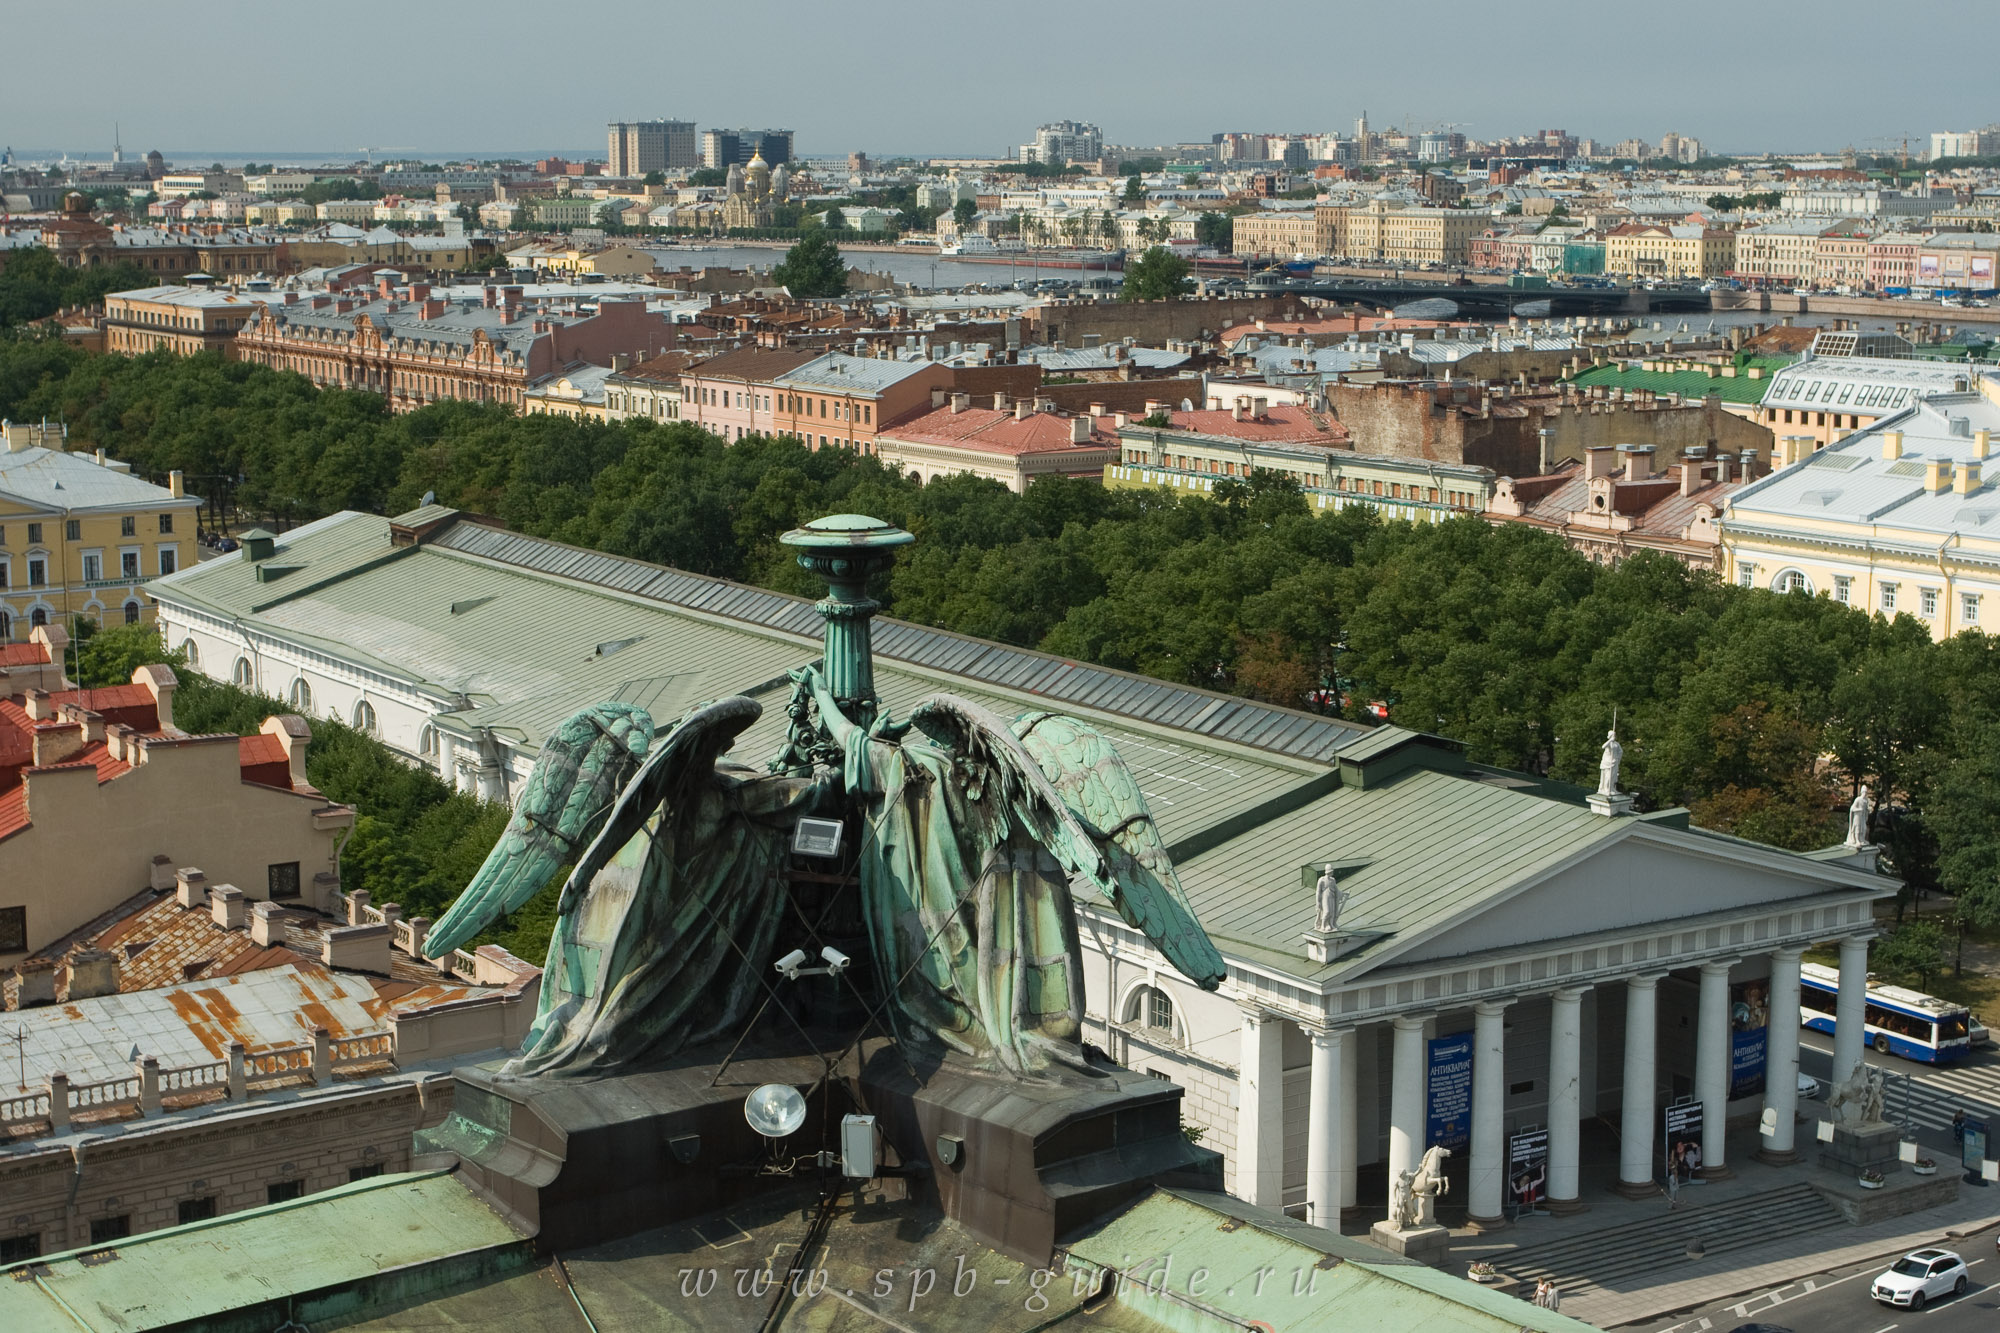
(1510, 956)
(1595, 960)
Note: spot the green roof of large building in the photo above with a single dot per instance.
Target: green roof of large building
(323, 1242)
(1696, 384)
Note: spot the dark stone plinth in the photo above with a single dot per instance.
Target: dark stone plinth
(1902, 1193)
(1853, 1151)
(577, 1162)
(1039, 1159)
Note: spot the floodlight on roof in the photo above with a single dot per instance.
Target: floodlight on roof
(775, 1110)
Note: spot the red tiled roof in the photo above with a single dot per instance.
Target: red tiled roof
(1282, 423)
(264, 761)
(23, 654)
(991, 430)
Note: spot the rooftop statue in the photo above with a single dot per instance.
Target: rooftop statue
(977, 835)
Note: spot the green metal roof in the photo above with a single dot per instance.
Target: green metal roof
(1310, 1279)
(319, 1241)
(1688, 383)
(1415, 854)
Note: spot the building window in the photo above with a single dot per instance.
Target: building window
(93, 566)
(283, 879)
(197, 1210)
(1791, 580)
(301, 695)
(73, 529)
(368, 1172)
(427, 742)
(170, 559)
(27, 1245)
(1888, 597)
(38, 617)
(128, 526)
(1968, 607)
(34, 534)
(131, 613)
(128, 564)
(38, 573)
(243, 676)
(1843, 589)
(279, 1191)
(191, 653)
(104, 1230)
(364, 717)
(13, 929)
(6, 624)
(1746, 576)
(1927, 602)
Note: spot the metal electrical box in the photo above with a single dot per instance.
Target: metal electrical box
(857, 1146)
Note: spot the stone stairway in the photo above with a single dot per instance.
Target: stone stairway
(1606, 1259)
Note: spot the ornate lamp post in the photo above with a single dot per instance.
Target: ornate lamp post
(847, 550)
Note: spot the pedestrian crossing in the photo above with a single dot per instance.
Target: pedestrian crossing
(1935, 1093)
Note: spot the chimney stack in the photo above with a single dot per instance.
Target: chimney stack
(1023, 409)
(959, 402)
(176, 484)
(1079, 430)
(1982, 442)
(1936, 473)
(225, 905)
(1600, 460)
(1967, 480)
(190, 887)
(295, 737)
(92, 972)
(1892, 444)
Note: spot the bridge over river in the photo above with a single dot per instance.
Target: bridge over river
(1445, 301)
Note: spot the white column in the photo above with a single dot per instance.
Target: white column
(1635, 1152)
(1324, 1132)
(1781, 1059)
(1406, 1098)
(1565, 1097)
(1347, 1152)
(1486, 1194)
(1711, 1066)
(1260, 1115)
(1850, 1007)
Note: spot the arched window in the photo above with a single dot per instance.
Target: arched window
(427, 742)
(364, 717)
(244, 676)
(191, 653)
(302, 695)
(1152, 1009)
(131, 613)
(38, 616)
(1791, 580)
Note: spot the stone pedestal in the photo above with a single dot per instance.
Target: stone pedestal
(1617, 803)
(1427, 1245)
(1854, 1150)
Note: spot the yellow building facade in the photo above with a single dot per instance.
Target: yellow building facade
(80, 536)
(1645, 250)
(1892, 519)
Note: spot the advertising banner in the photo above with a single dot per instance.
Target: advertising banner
(1448, 1113)
(1683, 1139)
(1927, 266)
(1974, 1153)
(1528, 1167)
(1749, 1028)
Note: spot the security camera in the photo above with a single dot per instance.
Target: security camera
(836, 961)
(789, 965)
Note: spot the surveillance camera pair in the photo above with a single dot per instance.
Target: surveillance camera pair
(792, 966)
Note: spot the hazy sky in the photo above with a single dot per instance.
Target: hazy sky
(975, 78)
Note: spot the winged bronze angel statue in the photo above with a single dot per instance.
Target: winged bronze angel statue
(978, 836)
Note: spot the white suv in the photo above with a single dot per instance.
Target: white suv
(1920, 1276)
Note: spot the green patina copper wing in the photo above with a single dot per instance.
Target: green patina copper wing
(1101, 792)
(583, 765)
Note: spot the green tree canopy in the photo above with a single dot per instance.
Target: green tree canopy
(1216, 230)
(1135, 190)
(653, 178)
(963, 212)
(708, 176)
(1156, 275)
(813, 267)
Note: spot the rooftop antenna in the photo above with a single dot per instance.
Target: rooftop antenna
(19, 1036)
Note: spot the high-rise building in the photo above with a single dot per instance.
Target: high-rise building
(1065, 141)
(725, 148)
(638, 147)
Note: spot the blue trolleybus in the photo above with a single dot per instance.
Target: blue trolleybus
(1900, 1022)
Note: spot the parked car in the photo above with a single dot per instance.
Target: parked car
(1808, 1086)
(1919, 1276)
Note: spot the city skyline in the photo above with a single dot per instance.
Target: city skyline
(1541, 63)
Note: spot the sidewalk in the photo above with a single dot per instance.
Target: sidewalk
(1691, 1283)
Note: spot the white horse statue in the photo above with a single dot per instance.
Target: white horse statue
(1857, 1100)
(1413, 1202)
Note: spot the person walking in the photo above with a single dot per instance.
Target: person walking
(1554, 1303)
(1958, 1128)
